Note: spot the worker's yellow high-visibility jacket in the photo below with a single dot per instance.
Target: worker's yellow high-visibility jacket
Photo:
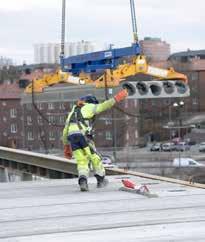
(88, 111)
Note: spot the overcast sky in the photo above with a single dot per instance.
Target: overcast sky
(26, 22)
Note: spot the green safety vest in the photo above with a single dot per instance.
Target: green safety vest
(78, 120)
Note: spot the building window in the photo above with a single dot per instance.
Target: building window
(71, 105)
(13, 113)
(51, 119)
(13, 128)
(136, 134)
(30, 135)
(127, 136)
(153, 103)
(194, 101)
(194, 76)
(108, 135)
(108, 122)
(29, 120)
(62, 119)
(40, 106)
(50, 106)
(40, 120)
(61, 106)
(51, 135)
(41, 136)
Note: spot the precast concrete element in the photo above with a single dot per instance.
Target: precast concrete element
(156, 89)
(39, 160)
(63, 165)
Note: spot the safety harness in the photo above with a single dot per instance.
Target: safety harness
(77, 118)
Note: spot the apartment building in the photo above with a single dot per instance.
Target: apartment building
(50, 52)
(192, 63)
(157, 113)
(43, 126)
(11, 116)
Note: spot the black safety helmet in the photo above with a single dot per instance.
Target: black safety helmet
(89, 99)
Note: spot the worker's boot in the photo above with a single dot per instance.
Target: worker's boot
(101, 181)
(83, 183)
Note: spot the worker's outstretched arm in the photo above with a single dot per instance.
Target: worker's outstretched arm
(89, 110)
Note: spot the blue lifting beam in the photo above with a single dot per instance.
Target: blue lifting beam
(96, 61)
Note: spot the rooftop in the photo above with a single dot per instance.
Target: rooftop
(55, 211)
(188, 53)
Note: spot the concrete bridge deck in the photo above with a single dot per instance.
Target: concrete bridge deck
(55, 211)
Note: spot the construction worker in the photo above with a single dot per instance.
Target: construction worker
(77, 133)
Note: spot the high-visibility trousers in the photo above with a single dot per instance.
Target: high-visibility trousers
(83, 155)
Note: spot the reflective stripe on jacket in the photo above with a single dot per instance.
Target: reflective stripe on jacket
(88, 111)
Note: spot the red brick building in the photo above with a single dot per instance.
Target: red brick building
(24, 126)
(192, 63)
(156, 113)
(11, 116)
(43, 127)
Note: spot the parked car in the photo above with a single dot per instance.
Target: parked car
(108, 162)
(202, 147)
(190, 142)
(182, 146)
(156, 147)
(176, 140)
(186, 162)
(168, 146)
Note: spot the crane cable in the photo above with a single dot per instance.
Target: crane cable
(38, 110)
(134, 27)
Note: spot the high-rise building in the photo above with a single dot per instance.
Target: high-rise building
(50, 52)
(155, 49)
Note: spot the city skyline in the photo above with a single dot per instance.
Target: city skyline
(50, 52)
(179, 24)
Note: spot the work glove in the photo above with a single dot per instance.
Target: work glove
(67, 151)
(121, 95)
